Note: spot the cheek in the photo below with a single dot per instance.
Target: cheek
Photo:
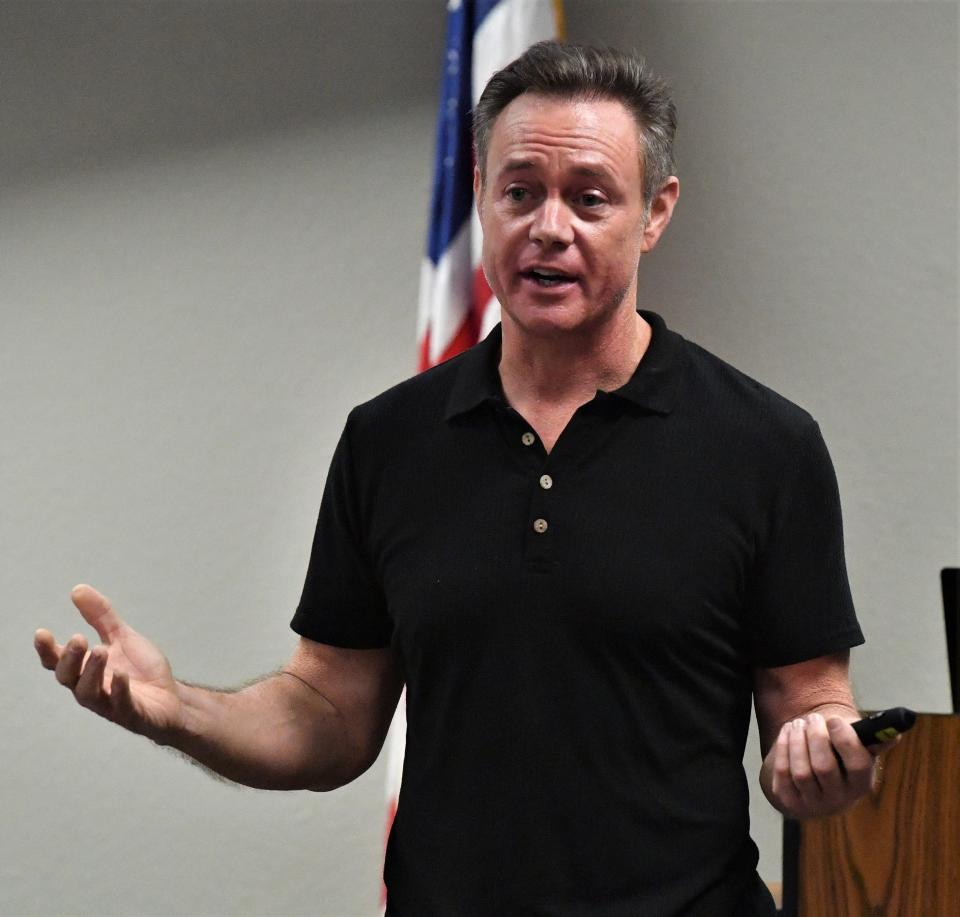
(499, 245)
(622, 253)
(491, 249)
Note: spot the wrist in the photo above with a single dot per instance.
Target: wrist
(185, 724)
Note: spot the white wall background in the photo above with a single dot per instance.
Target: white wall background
(211, 220)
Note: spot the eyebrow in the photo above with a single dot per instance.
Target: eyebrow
(522, 165)
(516, 165)
(591, 171)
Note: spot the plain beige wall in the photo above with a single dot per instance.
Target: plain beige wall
(211, 221)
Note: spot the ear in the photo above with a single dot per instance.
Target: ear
(661, 210)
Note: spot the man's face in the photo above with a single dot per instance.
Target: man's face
(562, 212)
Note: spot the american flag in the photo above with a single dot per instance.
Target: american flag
(456, 306)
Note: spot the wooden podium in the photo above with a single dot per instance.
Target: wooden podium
(896, 853)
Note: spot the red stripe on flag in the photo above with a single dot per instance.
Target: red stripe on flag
(391, 815)
(482, 294)
(423, 360)
(465, 337)
(469, 331)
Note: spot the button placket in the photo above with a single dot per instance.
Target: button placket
(541, 513)
(523, 445)
(534, 458)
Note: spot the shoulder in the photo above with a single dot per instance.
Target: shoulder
(407, 408)
(729, 402)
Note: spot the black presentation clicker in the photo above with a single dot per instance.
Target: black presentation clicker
(884, 726)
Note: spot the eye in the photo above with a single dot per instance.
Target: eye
(517, 194)
(589, 199)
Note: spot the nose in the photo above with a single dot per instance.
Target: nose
(551, 224)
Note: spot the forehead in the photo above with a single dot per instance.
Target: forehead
(565, 132)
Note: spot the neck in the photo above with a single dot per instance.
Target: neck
(569, 367)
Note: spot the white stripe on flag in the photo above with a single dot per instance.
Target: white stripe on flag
(445, 293)
(489, 311)
(506, 32)
(490, 317)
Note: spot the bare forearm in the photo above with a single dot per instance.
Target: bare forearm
(277, 734)
(317, 725)
(813, 762)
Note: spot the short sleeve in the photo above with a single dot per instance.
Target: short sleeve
(342, 603)
(800, 603)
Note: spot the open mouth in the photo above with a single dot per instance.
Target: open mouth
(545, 278)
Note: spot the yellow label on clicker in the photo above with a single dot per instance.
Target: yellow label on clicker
(884, 735)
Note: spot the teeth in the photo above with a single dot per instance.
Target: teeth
(549, 280)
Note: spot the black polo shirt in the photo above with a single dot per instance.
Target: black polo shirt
(578, 629)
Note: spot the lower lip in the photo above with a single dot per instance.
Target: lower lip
(552, 289)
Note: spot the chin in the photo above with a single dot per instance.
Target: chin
(545, 319)
(542, 319)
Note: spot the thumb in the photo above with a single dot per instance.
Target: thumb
(97, 611)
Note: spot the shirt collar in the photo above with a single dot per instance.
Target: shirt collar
(478, 378)
(654, 386)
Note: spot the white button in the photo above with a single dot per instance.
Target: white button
(546, 482)
(540, 526)
(528, 439)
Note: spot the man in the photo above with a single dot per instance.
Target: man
(583, 546)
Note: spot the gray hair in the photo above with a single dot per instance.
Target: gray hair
(581, 72)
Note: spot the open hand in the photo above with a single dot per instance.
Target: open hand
(125, 679)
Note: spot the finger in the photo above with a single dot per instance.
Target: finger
(89, 688)
(121, 701)
(783, 786)
(801, 770)
(97, 611)
(71, 661)
(857, 760)
(823, 760)
(47, 648)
